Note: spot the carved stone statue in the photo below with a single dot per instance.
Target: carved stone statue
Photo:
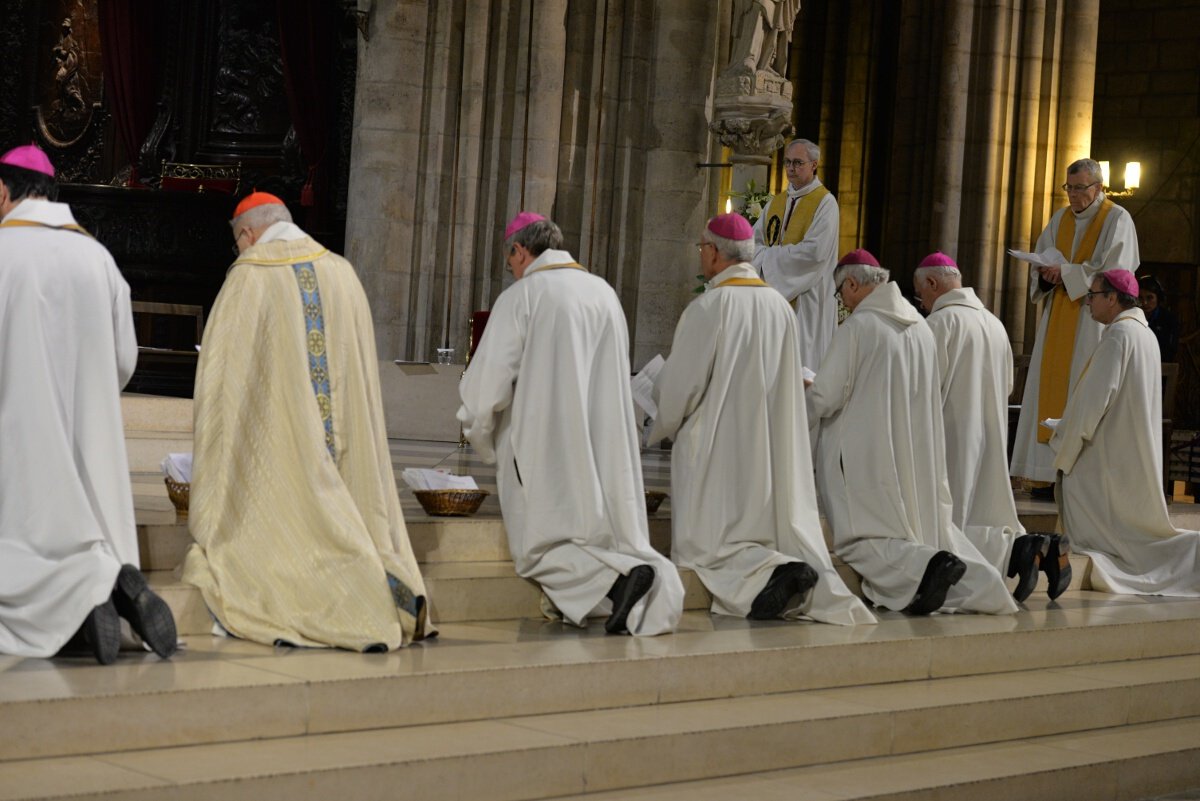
(763, 33)
(753, 101)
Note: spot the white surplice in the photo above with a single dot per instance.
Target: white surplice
(547, 397)
(881, 460)
(1109, 449)
(1116, 249)
(67, 347)
(742, 496)
(976, 366)
(803, 273)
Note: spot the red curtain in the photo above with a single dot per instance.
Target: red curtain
(308, 32)
(129, 45)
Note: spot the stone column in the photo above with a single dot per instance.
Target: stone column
(954, 92)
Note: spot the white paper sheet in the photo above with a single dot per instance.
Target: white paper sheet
(1049, 258)
(643, 386)
(178, 466)
(1052, 422)
(423, 479)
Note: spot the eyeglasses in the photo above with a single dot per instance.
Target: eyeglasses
(702, 245)
(795, 164)
(837, 293)
(1097, 292)
(1079, 187)
(236, 250)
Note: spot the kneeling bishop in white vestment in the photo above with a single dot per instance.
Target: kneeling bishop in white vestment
(1109, 457)
(881, 461)
(547, 398)
(68, 540)
(299, 534)
(731, 395)
(976, 367)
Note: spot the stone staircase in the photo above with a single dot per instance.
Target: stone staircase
(1092, 697)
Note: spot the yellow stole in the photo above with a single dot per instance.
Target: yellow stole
(573, 265)
(78, 229)
(1059, 344)
(802, 217)
(741, 282)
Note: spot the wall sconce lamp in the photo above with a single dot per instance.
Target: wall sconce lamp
(1133, 179)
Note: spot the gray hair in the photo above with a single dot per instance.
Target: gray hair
(863, 274)
(261, 217)
(730, 249)
(942, 273)
(1090, 166)
(814, 152)
(538, 237)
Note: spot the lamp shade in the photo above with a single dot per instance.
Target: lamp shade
(1133, 174)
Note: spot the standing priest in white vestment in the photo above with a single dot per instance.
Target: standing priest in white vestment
(976, 367)
(731, 395)
(68, 540)
(1095, 235)
(795, 241)
(1109, 454)
(547, 398)
(881, 460)
(299, 534)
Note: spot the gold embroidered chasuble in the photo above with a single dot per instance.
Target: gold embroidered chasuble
(1063, 323)
(298, 528)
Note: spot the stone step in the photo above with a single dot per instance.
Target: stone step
(1126, 763)
(220, 689)
(156, 413)
(1149, 708)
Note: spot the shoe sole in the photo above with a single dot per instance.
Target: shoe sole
(1058, 574)
(800, 582)
(102, 632)
(1029, 576)
(947, 575)
(148, 614)
(639, 583)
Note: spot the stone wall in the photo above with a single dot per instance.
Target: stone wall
(460, 123)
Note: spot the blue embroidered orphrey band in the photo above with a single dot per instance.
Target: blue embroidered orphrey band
(314, 332)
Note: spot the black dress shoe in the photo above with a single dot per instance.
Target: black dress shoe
(1057, 565)
(1042, 493)
(1026, 560)
(101, 631)
(786, 582)
(149, 615)
(627, 591)
(943, 572)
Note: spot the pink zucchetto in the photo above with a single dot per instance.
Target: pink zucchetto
(859, 256)
(520, 221)
(731, 226)
(1122, 281)
(937, 259)
(29, 157)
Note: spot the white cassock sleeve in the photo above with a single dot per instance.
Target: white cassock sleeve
(124, 336)
(1089, 402)
(795, 269)
(683, 380)
(488, 385)
(831, 388)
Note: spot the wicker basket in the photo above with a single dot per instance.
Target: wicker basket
(178, 492)
(450, 502)
(654, 500)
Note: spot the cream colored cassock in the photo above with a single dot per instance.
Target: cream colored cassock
(547, 397)
(881, 460)
(804, 272)
(67, 348)
(742, 495)
(293, 543)
(1109, 447)
(1116, 249)
(976, 366)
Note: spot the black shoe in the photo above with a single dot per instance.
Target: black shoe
(1042, 493)
(1057, 565)
(1026, 561)
(101, 631)
(786, 582)
(943, 572)
(627, 591)
(149, 615)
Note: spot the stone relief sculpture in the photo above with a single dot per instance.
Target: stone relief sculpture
(752, 107)
(69, 101)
